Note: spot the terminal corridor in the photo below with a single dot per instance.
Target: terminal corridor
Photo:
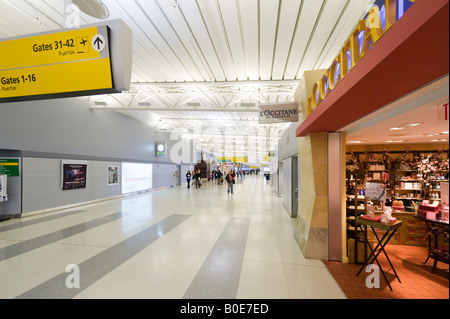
(174, 243)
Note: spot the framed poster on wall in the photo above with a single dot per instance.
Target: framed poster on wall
(113, 175)
(74, 175)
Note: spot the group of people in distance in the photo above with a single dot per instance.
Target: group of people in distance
(196, 177)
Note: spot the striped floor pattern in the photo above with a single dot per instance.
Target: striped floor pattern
(175, 243)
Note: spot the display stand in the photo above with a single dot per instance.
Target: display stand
(390, 229)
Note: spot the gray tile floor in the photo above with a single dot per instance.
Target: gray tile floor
(169, 244)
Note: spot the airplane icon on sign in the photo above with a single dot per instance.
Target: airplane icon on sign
(82, 47)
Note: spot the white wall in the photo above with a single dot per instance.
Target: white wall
(42, 184)
(47, 131)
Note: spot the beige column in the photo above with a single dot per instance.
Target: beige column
(311, 230)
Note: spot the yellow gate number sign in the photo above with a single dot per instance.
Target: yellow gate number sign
(68, 63)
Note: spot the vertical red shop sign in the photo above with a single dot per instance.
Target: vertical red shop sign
(442, 113)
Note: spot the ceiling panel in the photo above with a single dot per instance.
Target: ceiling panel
(268, 24)
(232, 34)
(215, 28)
(309, 12)
(249, 21)
(289, 15)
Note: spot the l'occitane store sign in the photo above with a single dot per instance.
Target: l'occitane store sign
(61, 63)
(363, 38)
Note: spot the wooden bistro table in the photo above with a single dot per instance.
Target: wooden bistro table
(390, 230)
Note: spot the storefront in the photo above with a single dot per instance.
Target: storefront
(385, 71)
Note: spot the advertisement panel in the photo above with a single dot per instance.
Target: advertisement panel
(136, 177)
(73, 175)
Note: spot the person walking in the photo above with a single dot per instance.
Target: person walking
(197, 178)
(219, 177)
(188, 179)
(230, 181)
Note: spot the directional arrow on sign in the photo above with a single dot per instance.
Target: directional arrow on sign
(98, 42)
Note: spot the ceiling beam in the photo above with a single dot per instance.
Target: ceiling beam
(173, 109)
(220, 83)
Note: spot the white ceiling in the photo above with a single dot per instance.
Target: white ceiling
(205, 65)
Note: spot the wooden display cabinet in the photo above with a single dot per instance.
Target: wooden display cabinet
(412, 232)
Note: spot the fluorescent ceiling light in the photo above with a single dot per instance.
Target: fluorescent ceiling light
(411, 124)
(402, 127)
(435, 134)
(441, 140)
(356, 142)
(100, 103)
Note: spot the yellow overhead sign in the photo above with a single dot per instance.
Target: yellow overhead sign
(232, 159)
(67, 63)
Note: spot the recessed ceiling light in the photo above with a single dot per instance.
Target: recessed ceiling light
(357, 142)
(446, 132)
(398, 135)
(397, 141)
(398, 128)
(441, 140)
